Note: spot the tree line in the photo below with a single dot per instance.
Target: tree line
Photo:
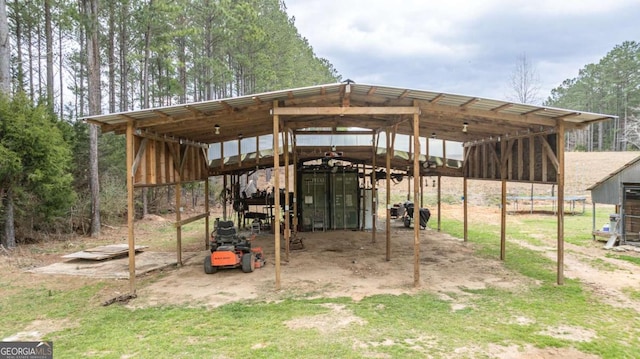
(611, 86)
(71, 58)
(64, 59)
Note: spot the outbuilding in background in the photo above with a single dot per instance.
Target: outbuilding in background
(621, 189)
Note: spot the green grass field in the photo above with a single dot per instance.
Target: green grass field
(404, 326)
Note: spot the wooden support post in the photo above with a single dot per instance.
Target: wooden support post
(178, 219)
(373, 189)
(465, 210)
(388, 169)
(257, 150)
(130, 207)
(295, 184)
(593, 219)
(439, 202)
(224, 197)
(560, 180)
(416, 211)
(276, 191)
(503, 201)
(408, 185)
(206, 210)
(421, 191)
(287, 225)
(503, 219)
(239, 155)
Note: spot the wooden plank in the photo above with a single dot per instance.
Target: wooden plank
(532, 158)
(520, 159)
(103, 252)
(560, 181)
(130, 148)
(416, 211)
(276, 189)
(485, 162)
(190, 219)
(549, 152)
(345, 111)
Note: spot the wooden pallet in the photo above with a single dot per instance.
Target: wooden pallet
(103, 252)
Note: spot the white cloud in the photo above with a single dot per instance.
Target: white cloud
(463, 46)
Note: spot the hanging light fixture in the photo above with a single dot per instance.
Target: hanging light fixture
(465, 127)
(217, 128)
(433, 135)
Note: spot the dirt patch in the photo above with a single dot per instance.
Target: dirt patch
(530, 352)
(575, 334)
(605, 277)
(39, 328)
(338, 318)
(338, 264)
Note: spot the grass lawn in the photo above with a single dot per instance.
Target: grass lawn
(385, 326)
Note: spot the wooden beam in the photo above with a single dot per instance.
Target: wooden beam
(276, 189)
(501, 107)
(345, 111)
(287, 225)
(437, 99)
(388, 169)
(141, 150)
(439, 202)
(206, 209)
(560, 181)
(465, 210)
(532, 158)
(130, 207)
(520, 156)
(295, 183)
(469, 103)
(416, 208)
(178, 190)
(549, 152)
(527, 118)
(503, 203)
(373, 187)
(190, 219)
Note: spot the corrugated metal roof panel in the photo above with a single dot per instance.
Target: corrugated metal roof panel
(363, 95)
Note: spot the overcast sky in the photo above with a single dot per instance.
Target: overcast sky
(467, 47)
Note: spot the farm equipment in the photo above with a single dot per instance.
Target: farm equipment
(228, 250)
(407, 216)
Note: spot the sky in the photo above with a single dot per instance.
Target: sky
(467, 47)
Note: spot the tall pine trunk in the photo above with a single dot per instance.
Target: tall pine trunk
(48, 33)
(9, 238)
(111, 60)
(93, 69)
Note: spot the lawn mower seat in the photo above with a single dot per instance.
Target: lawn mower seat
(226, 233)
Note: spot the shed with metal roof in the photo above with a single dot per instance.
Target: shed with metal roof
(621, 189)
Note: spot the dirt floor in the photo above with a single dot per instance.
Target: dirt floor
(348, 263)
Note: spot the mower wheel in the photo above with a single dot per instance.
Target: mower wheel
(208, 267)
(407, 222)
(248, 262)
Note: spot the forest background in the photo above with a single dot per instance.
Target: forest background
(62, 59)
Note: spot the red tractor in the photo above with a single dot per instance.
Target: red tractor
(228, 250)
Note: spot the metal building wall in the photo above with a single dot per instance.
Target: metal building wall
(609, 190)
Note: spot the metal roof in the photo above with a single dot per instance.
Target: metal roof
(608, 189)
(442, 114)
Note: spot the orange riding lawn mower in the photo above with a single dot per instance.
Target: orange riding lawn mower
(228, 250)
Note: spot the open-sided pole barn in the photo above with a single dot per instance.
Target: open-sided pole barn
(500, 141)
